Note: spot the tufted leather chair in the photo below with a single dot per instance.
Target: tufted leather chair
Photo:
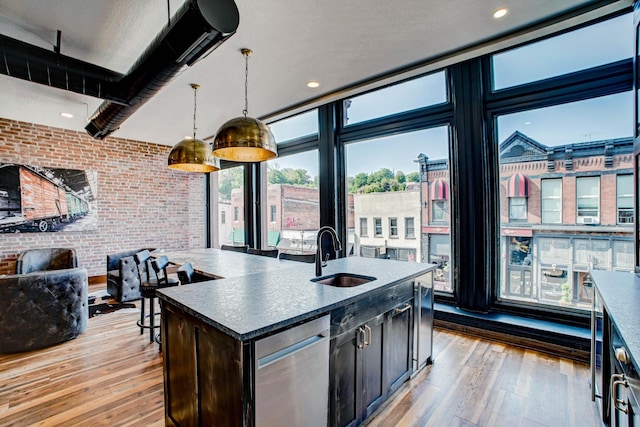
(46, 259)
(123, 280)
(42, 308)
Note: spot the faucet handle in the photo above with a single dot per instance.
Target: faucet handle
(325, 260)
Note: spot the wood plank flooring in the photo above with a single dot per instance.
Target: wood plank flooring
(112, 376)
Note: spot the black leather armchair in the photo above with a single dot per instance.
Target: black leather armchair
(42, 308)
(46, 259)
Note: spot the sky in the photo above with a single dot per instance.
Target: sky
(595, 119)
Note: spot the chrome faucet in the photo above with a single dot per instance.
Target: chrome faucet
(336, 247)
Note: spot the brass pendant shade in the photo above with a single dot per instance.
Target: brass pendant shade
(192, 154)
(245, 139)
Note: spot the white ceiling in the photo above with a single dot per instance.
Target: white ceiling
(336, 42)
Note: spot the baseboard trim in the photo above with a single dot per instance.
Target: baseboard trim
(96, 280)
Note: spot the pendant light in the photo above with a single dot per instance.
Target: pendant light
(192, 154)
(245, 139)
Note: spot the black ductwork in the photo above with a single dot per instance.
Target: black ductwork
(38, 65)
(197, 29)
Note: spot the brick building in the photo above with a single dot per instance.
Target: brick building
(292, 217)
(563, 210)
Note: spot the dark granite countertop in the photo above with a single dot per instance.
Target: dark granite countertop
(620, 292)
(259, 295)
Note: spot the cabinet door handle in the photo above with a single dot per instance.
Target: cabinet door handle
(361, 338)
(368, 340)
(403, 309)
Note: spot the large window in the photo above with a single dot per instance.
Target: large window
(398, 181)
(571, 154)
(228, 191)
(292, 190)
(624, 199)
(420, 92)
(608, 41)
(588, 200)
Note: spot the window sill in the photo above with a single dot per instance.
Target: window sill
(570, 341)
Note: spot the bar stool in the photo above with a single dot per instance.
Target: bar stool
(148, 289)
(272, 253)
(308, 258)
(239, 248)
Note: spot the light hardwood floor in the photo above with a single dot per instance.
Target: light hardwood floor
(112, 376)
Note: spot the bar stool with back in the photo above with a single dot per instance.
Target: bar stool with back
(148, 288)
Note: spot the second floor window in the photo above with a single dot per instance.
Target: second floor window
(377, 222)
(409, 231)
(393, 227)
(235, 213)
(588, 200)
(272, 213)
(439, 210)
(222, 217)
(517, 208)
(363, 227)
(551, 201)
(624, 199)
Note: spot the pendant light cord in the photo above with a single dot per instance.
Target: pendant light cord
(246, 53)
(195, 106)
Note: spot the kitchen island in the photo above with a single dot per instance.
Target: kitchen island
(219, 335)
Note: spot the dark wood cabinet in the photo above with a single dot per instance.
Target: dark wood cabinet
(371, 359)
(206, 374)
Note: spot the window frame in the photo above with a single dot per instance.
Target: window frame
(364, 227)
(439, 206)
(377, 227)
(525, 205)
(580, 212)
(409, 231)
(543, 183)
(624, 196)
(393, 228)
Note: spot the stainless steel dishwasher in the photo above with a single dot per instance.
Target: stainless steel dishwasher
(292, 376)
(423, 321)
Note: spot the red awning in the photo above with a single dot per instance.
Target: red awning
(439, 190)
(518, 186)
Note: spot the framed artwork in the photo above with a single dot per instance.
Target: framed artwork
(37, 199)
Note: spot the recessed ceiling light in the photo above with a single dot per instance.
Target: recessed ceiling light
(500, 13)
(67, 115)
(313, 84)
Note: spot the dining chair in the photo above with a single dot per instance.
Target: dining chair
(272, 253)
(308, 258)
(239, 248)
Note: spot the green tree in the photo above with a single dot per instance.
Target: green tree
(413, 177)
(228, 179)
(400, 177)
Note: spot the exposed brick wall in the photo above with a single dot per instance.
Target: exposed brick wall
(140, 202)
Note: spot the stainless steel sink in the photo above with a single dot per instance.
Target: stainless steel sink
(343, 280)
